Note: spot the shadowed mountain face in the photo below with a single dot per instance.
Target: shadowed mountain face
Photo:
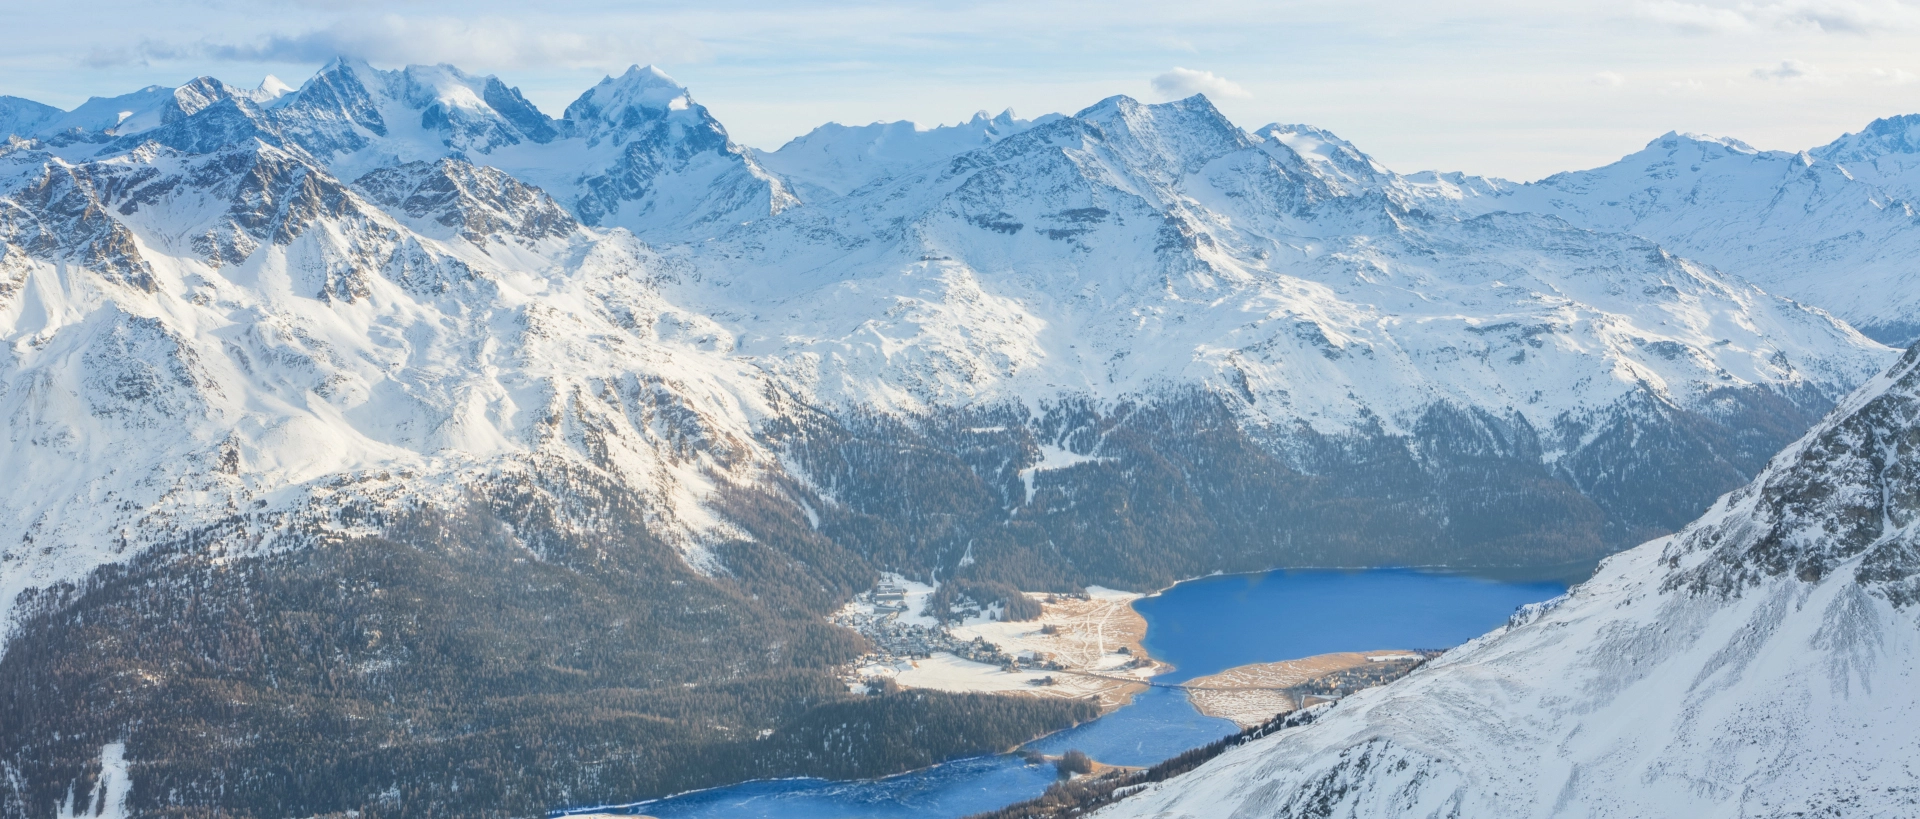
(539, 450)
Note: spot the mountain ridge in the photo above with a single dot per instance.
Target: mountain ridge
(1122, 255)
(1797, 223)
(397, 330)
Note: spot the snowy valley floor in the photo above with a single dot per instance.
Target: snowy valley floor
(1078, 648)
(1088, 646)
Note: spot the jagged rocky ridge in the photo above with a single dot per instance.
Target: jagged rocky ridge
(1762, 662)
(273, 351)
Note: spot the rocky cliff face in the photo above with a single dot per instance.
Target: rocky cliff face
(1731, 668)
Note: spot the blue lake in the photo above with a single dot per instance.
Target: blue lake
(1207, 625)
(1202, 627)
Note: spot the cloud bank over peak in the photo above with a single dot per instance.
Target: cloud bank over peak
(1181, 83)
(485, 42)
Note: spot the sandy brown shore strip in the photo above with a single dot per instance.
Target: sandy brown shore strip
(1250, 694)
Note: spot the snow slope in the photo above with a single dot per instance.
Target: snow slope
(1763, 662)
(1832, 227)
(24, 116)
(833, 159)
(1133, 246)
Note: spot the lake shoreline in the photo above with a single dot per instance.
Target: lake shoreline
(1220, 624)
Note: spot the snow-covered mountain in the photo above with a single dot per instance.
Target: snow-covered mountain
(1886, 153)
(201, 275)
(1763, 662)
(634, 151)
(1133, 245)
(1131, 251)
(24, 116)
(195, 334)
(833, 159)
(1832, 227)
(611, 356)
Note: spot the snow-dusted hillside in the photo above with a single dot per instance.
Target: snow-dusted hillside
(1764, 662)
(1833, 227)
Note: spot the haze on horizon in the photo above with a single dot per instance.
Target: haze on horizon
(1495, 87)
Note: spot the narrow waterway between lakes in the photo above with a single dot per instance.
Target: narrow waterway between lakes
(1203, 627)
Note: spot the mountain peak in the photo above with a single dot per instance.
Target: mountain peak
(1175, 137)
(1195, 110)
(101, 118)
(1118, 103)
(640, 85)
(834, 159)
(622, 104)
(1674, 139)
(273, 87)
(21, 117)
(1003, 119)
(1882, 137)
(1310, 142)
(649, 74)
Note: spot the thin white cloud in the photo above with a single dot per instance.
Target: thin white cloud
(492, 43)
(1693, 18)
(1848, 16)
(1789, 71)
(1836, 16)
(1609, 79)
(1181, 83)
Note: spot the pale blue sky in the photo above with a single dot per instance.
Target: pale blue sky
(1517, 89)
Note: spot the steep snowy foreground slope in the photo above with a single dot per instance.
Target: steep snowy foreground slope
(1763, 662)
(507, 444)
